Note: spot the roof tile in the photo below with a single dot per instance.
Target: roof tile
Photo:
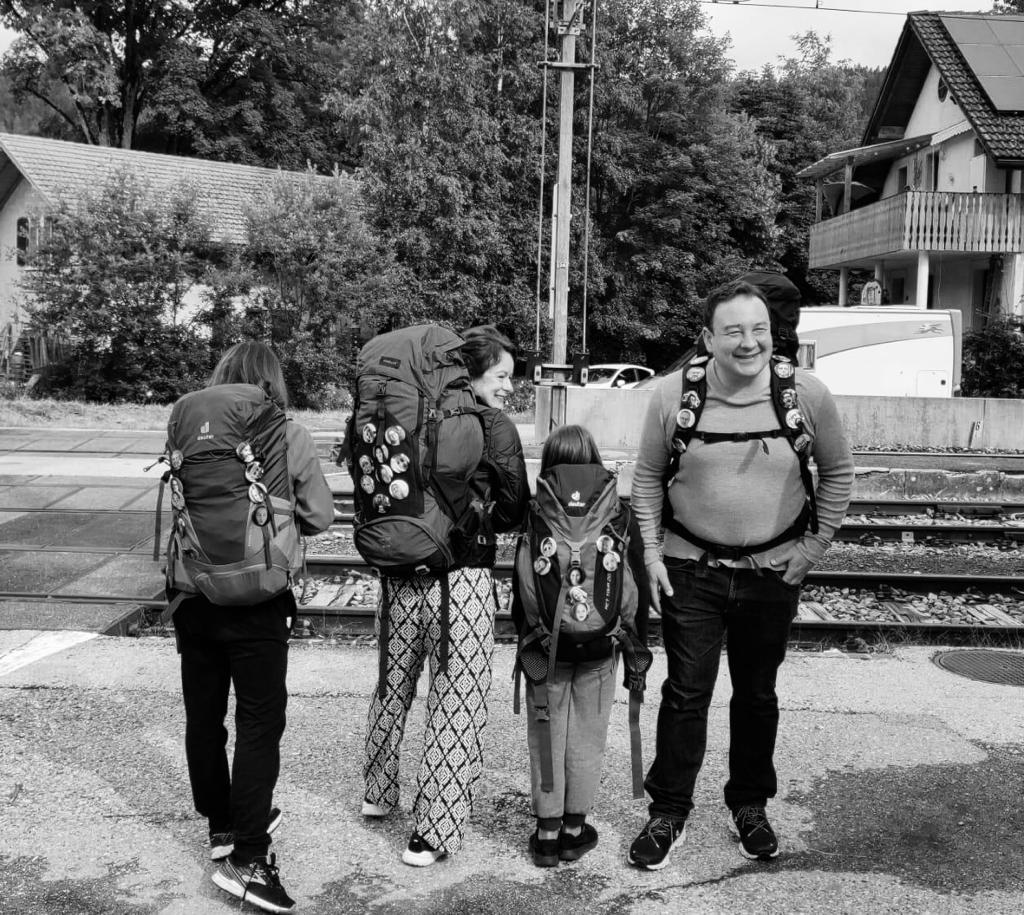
(61, 170)
(1001, 134)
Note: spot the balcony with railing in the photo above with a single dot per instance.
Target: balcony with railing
(920, 221)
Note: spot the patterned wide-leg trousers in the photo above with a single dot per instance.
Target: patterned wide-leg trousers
(456, 702)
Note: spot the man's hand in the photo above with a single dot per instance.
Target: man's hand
(657, 575)
(791, 565)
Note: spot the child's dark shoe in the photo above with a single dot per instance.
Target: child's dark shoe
(572, 848)
(544, 851)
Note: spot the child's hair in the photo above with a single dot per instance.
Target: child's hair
(252, 362)
(569, 445)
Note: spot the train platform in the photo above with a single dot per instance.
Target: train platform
(899, 792)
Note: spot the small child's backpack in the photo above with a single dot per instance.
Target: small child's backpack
(233, 537)
(415, 440)
(575, 582)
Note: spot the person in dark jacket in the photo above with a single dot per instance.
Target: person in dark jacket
(246, 647)
(578, 697)
(456, 703)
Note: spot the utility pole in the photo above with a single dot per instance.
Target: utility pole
(568, 29)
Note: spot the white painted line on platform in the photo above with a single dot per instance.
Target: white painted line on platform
(75, 466)
(43, 645)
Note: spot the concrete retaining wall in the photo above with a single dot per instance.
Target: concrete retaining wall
(615, 417)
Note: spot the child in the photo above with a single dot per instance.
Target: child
(575, 607)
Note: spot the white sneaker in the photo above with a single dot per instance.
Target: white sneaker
(420, 853)
(373, 810)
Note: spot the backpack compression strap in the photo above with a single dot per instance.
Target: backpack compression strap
(636, 700)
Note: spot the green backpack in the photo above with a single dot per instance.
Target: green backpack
(233, 537)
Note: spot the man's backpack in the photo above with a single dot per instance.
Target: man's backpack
(575, 582)
(415, 440)
(233, 537)
(791, 427)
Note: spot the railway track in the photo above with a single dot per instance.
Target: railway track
(992, 602)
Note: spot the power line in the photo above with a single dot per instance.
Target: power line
(796, 6)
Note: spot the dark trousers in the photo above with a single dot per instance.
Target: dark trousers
(247, 646)
(753, 610)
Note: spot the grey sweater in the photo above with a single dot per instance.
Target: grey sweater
(733, 492)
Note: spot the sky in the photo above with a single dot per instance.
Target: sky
(762, 30)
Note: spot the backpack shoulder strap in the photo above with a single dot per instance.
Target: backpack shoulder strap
(787, 410)
(691, 404)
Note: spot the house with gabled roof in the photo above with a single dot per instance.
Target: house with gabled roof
(931, 201)
(36, 173)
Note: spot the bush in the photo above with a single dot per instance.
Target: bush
(994, 360)
(523, 398)
(169, 362)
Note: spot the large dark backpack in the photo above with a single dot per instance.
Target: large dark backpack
(233, 537)
(575, 582)
(415, 440)
(791, 427)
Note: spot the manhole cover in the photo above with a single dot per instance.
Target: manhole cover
(1004, 667)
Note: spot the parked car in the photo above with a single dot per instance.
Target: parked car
(617, 375)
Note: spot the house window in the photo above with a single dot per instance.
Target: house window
(22, 241)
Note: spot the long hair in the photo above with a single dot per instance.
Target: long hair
(484, 347)
(569, 445)
(255, 363)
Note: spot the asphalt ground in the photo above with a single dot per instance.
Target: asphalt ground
(900, 792)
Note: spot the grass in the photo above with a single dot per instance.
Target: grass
(26, 412)
(73, 414)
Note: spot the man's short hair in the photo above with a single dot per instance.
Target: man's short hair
(727, 292)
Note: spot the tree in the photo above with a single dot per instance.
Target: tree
(212, 77)
(683, 197)
(439, 97)
(111, 274)
(805, 109)
(312, 273)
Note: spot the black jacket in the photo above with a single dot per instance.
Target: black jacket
(500, 481)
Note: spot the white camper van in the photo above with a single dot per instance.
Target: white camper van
(885, 350)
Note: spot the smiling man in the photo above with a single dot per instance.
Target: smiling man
(732, 522)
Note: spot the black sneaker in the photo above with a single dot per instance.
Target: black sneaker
(757, 838)
(223, 843)
(572, 848)
(544, 851)
(256, 883)
(420, 852)
(651, 848)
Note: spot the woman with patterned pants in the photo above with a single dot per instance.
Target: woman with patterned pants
(456, 702)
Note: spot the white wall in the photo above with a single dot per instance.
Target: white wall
(955, 155)
(930, 115)
(21, 202)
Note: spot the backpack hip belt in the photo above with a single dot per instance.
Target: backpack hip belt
(719, 551)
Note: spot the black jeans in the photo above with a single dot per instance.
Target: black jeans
(754, 610)
(247, 646)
